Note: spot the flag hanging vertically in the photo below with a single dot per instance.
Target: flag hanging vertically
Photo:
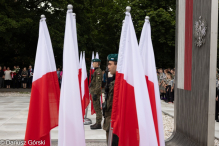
(133, 101)
(71, 129)
(84, 86)
(91, 68)
(44, 101)
(79, 77)
(149, 67)
(91, 73)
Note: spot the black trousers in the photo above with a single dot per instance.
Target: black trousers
(168, 91)
(15, 82)
(30, 82)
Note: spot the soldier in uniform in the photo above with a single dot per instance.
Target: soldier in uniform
(112, 65)
(95, 91)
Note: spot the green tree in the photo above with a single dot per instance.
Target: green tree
(99, 24)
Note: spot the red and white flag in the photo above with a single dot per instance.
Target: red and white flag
(44, 101)
(84, 86)
(91, 73)
(149, 67)
(91, 67)
(71, 128)
(135, 126)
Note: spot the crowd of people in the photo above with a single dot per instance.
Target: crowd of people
(16, 78)
(166, 83)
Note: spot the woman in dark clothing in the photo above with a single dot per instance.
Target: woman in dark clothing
(24, 75)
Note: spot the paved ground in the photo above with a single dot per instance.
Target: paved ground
(13, 118)
(169, 110)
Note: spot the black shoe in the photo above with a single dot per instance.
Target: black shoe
(97, 126)
(92, 125)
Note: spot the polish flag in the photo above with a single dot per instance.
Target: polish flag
(91, 67)
(133, 101)
(71, 128)
(91, 73)
(84, 86)
(44, 101)
(79, 63)
(149, 67)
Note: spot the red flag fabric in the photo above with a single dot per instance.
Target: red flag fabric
(84, 86)
(44, 101)
(132, 118)
(91, 73)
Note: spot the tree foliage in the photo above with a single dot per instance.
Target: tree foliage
(99, 24)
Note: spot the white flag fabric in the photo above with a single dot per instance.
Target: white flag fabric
(97, 55)
(84, 86)
(133, 102)
(81, 58)
(148, 60)
(75, 38)
(71, 128)
(91, 66)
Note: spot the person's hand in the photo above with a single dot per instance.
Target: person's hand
(95, 97)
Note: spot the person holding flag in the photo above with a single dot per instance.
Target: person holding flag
(95, 91)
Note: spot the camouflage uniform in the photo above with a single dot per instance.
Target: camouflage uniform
(106, 124)
(95, 89)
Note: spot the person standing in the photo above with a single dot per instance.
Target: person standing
(14, 77)
(18, 71)
(112, 65)
(3, 82)
(24, 75)
(161, 82)
(8, 77)
(95, 91)
(4, 69)
(1, 77)
(30, 75)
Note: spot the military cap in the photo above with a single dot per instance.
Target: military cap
(96, 60)
(112, 57)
